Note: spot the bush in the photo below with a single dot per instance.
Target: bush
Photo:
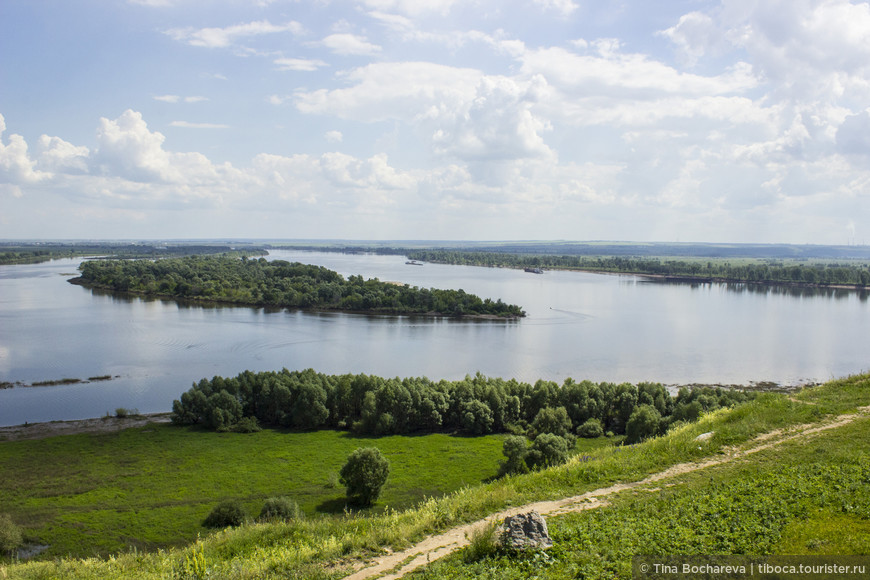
(482, 543)
(225, 514)
(10, 535)
(643, 423)
(514, 449)
(364, 474)
(547, 450)
(590, 429)
(280, 508)
(246, 425)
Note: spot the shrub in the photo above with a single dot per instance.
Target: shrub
(123, 412)
(514, 449)
(10, 535)
(225, 514)
(590, 429)
(364, 474)
(246, 425)
(643, 423)
(483, 542)
(547, 450)
(280, 508)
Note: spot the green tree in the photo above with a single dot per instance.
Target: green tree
(643, 423)
(550, 420)
(476, 417)
(514, 449)
(364, 474)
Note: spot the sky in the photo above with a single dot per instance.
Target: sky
(675, 120)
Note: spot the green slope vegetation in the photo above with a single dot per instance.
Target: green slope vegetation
(279, 283)
(769, 502)
(806, 497)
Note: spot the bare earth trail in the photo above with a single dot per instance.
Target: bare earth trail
(397, 564)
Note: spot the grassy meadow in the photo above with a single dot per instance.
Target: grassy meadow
(151, 487)
(806, 496)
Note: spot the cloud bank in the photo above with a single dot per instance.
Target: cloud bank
(737, 121)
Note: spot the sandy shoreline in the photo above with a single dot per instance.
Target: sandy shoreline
(96, 425)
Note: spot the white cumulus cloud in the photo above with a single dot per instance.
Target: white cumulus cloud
(224, 37)
(350, 44)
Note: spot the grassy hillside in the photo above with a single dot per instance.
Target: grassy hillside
(780, 500)
(806, 497)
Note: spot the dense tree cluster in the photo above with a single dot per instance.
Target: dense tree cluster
(281, 284)
(857, 274)
(476, 405)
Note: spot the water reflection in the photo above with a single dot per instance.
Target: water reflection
(794, 291)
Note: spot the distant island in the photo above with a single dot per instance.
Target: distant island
(282, 284)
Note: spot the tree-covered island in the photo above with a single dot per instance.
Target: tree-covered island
(281, 284)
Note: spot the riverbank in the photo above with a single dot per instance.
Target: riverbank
(107, 424)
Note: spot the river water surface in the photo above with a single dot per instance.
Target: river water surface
(580, 325)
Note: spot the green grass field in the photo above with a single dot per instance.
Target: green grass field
(152, 487)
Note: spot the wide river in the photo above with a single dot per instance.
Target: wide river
(585, 326)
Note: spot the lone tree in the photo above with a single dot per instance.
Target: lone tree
(364, 475)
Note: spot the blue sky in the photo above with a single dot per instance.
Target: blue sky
(692, 120)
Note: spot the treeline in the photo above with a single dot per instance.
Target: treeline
(771, 271)
(36, 253)
(476, 405)
(281, 284)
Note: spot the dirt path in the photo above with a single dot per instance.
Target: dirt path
(99, 425)
(397, 564)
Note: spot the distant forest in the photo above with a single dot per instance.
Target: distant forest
(476, 405)
(280, 283)
(772, 271)
(34, 253)
(803, 265)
